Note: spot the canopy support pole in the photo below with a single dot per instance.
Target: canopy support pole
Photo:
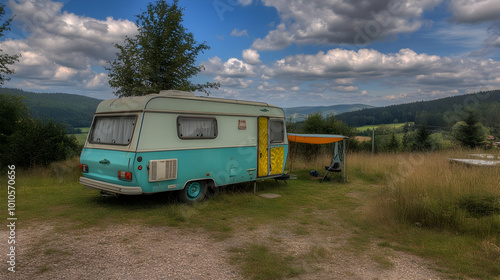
(293, 156)
(344, 159)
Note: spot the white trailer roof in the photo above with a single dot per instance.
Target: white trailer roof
(185, 102)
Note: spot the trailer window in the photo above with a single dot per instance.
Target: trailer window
(277, 130)
(196, 128)
(116, 130)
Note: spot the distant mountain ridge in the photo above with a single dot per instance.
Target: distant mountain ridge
(72, 110)
(442, 112)
(296, 114)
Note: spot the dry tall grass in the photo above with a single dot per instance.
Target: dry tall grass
(428, 190)
(425, 189)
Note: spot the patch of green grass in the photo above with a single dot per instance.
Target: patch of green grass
(258, 261)
(84, 129)
(80, 137)
(389, 125)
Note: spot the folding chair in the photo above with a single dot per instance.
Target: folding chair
(335, 166)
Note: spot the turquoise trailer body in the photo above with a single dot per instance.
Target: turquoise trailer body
(175, 141)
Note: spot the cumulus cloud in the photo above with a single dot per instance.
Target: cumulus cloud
(341, 21)
(233, 82)
(341, 72)
(251, 56)
(346, 64)
(61, 48)
(233, 67)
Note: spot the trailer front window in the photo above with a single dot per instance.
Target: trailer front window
(115, 130)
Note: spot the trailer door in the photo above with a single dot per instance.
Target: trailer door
(263, 149)
(271, 151)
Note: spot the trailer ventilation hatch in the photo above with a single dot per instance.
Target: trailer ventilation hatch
(162, 170)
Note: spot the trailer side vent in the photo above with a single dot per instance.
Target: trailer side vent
(162, 170)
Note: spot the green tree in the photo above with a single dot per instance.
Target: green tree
(314, 124)
(422, 142)
(470, 133)
(161, 56)
(25, 142)
(5, 59)
(40, 143)
(12, 110)
(335, 126)
(393, 144)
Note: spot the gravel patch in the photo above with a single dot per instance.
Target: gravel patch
(141, 252)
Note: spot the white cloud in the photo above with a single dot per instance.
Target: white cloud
(233, 82)
(99, 81)
(60, 48)
(344, 81)
(276, 40)
(345, 88)
(341, 22)
(348, 64)
(251, 56)
(64, 73)
(239, 33)
(233, 67)
(396, 96)
(343, 75)
(266, 86)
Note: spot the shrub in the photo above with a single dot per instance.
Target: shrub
(481, 205)
(39, 143)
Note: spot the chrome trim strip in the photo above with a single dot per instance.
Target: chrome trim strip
(108, 187)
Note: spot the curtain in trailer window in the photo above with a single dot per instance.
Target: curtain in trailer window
(196, 128)
(113, 130)
(277, 129)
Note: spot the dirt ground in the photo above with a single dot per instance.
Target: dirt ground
(141, 252)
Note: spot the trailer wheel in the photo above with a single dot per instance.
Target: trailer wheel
(193, 192)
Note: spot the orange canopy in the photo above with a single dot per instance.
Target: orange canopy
(315, 138)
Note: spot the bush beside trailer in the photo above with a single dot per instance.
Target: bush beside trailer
(175, 141)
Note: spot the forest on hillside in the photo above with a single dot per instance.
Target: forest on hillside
(70, 110)
(435, 114)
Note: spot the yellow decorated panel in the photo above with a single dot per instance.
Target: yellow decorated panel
(263, 154)
(277, 160)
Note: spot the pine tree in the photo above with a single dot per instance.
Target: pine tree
(471, 134)
(422, 142)
(393, 144)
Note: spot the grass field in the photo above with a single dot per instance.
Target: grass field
(417, 203)
(390, 125)
(82, 137)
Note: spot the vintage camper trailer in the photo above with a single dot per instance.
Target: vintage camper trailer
(175, 141)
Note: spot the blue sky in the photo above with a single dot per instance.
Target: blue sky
(284, 52)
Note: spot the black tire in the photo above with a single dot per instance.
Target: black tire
(212, 191)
